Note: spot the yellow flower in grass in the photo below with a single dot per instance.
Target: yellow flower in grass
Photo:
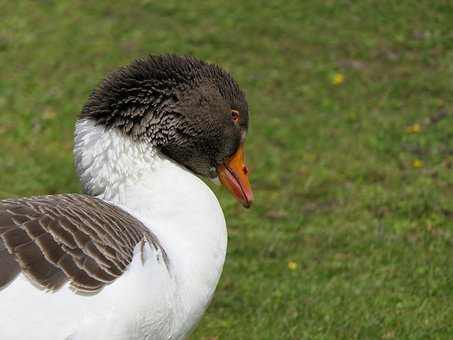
(417, 163)
(337, 79)
(49, 114)
(414, 128)
(292, 265)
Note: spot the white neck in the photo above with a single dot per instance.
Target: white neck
(176, 205)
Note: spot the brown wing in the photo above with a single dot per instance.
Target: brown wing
(71, 237)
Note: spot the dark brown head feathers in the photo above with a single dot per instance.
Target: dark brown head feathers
(181, 105)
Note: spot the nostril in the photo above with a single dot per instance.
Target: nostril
(245, 170)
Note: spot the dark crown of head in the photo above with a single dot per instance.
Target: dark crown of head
(135, 95)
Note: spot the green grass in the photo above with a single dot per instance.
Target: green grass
(332, 166)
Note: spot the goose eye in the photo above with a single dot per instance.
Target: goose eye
(235, 116)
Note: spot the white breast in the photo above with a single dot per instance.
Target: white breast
(151, 300)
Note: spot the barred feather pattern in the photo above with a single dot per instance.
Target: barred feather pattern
(70, 237)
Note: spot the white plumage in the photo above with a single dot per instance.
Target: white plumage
(150, 300)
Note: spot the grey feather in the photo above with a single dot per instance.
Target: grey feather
(71, 237)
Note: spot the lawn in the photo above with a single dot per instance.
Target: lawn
(350, 148)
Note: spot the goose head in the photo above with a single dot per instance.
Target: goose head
(191, 111)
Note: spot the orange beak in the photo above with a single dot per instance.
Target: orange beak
(233, 174)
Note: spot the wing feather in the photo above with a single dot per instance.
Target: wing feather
(67, 238)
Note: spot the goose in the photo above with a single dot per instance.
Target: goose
(139, 253)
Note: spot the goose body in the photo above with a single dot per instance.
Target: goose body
(137, 256)
(153, 299)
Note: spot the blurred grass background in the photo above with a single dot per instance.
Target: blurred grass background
(350, 148)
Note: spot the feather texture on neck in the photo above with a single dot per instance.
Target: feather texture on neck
(106, 160)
